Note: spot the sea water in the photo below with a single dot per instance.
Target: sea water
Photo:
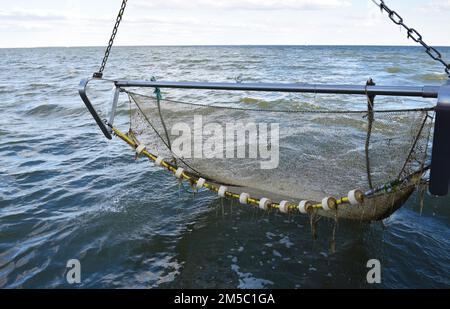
(67, 193)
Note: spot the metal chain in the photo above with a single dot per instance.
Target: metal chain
(99, 74)
(413, 34)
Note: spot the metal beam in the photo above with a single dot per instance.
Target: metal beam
(440, 159)
(405, 91)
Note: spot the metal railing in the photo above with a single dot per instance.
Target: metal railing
(424, 92)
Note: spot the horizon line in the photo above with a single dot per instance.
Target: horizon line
(226, 45)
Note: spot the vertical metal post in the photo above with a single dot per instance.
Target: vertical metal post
(440, 161)
(370, 119)
(113, 108)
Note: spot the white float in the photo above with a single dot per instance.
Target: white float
(356, 197)
(302, 207)
(200, 183)
(328, 202)
(284, 207)
(222, 191)
(140, 149)
(179, 173)
(264, 203)
(243, 199)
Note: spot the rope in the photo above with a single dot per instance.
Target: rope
(427, 143)
(371, 119)
(158, 104)
(131, 99)
(387, 187)
(413, 148)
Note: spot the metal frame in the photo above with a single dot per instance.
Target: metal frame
(440, 162)
(101, 123)
(440, 169)
(425, 91)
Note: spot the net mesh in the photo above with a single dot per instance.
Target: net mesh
(318, 153)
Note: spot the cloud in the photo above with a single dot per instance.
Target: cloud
(49, 17)
(204, 22)
(26, 15)
(244, 4)
(437, 6)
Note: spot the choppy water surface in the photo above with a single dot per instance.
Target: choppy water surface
(66, 193)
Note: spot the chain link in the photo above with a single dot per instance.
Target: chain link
(99, 74)
(413, 34)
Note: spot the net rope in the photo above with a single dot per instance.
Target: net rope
(322, 152)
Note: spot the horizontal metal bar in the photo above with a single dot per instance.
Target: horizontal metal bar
(406, 91)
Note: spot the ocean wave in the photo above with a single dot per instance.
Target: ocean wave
(45, 110)
(256, 102)
(280, 104)
(433, 77)
(36, 86)
(4, 89)
(393, 70)
(35, 176)
(32, 163)
(247, 100)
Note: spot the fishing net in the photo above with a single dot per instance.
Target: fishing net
(300, 153)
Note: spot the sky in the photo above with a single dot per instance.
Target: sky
(27, 23)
